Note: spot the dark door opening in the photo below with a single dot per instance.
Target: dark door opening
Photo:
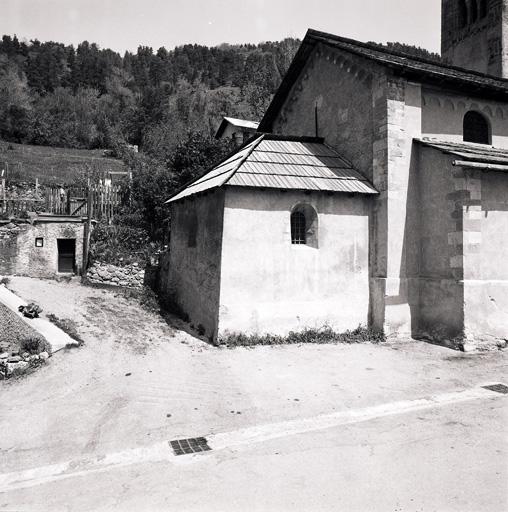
(66, 254)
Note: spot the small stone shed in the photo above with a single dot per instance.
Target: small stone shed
(43, 245)
(273, 239)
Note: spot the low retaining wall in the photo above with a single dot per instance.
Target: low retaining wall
(129, 276)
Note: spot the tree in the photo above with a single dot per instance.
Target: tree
(15, 104)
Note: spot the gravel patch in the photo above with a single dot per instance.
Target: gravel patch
(13, 329)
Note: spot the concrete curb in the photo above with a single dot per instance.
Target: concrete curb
(57, 338)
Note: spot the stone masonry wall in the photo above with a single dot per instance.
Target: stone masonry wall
(8, 247)
(129, 276)
(19, 255)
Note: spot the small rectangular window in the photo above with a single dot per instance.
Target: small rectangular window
(298, 229)
(39, 242)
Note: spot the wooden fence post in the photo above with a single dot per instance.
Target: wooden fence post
(86, 234)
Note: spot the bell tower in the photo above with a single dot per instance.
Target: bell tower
(474, 35)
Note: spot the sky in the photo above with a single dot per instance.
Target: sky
(126, 24)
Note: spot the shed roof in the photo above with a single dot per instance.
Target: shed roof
(240, 123)
(288, 163)
(469, 151)
(410, 66)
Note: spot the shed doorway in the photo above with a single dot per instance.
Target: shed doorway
(66, 255)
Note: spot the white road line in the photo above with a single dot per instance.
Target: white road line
(30, 477)
(300, 426)
(162, 452)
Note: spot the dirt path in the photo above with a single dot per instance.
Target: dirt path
(138, 381)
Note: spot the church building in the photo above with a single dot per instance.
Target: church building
(375, 192)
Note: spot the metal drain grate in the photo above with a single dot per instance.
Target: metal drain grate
(498, 388)
(187, 446)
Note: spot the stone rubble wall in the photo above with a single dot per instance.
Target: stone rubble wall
(13, 363)
(129, 276)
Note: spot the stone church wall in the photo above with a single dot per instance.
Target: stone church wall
(443, 116)
(340, 86)
(479, 45)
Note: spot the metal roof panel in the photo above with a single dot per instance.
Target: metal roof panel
(285, 164)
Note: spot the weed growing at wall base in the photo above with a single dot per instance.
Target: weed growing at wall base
(323, 335)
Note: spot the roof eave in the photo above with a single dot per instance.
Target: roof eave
(313, 38)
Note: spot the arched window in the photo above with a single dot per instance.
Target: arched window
(474, 11)
(298, 228)
(304, 226)
(462, 13)
(476, 128)
(483, 9)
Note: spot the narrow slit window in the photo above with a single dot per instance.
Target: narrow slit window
(483, 9)
(462, 13)
(298, 228)
(192, 233)
(474, 11)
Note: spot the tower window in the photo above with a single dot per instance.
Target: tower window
(298, 228)
(476, 128)
(462, 13)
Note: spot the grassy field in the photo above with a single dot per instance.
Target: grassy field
(51, 165)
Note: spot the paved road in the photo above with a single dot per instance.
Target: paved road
(397, 427)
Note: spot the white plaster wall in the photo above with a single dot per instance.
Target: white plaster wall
(486, 292)
(443, 115)
(269, 285)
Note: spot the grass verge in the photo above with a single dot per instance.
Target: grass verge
(68, 326)
(321, 336)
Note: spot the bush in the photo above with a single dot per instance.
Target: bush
(34, 345)
(146, 297)
(31, 310)
(119, 244)
(324, 335)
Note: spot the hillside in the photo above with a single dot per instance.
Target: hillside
(86, 97)
(53, 165)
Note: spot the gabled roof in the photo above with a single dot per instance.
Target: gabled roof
(409, 66)
(289, 163)
(240, 123)
(468, 151)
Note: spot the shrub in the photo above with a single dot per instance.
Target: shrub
(119, 244)
(323, 335)
(34, 345)
(145, 296)
(5, 281)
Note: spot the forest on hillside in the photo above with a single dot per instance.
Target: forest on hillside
(87, 97)
(53, 94)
